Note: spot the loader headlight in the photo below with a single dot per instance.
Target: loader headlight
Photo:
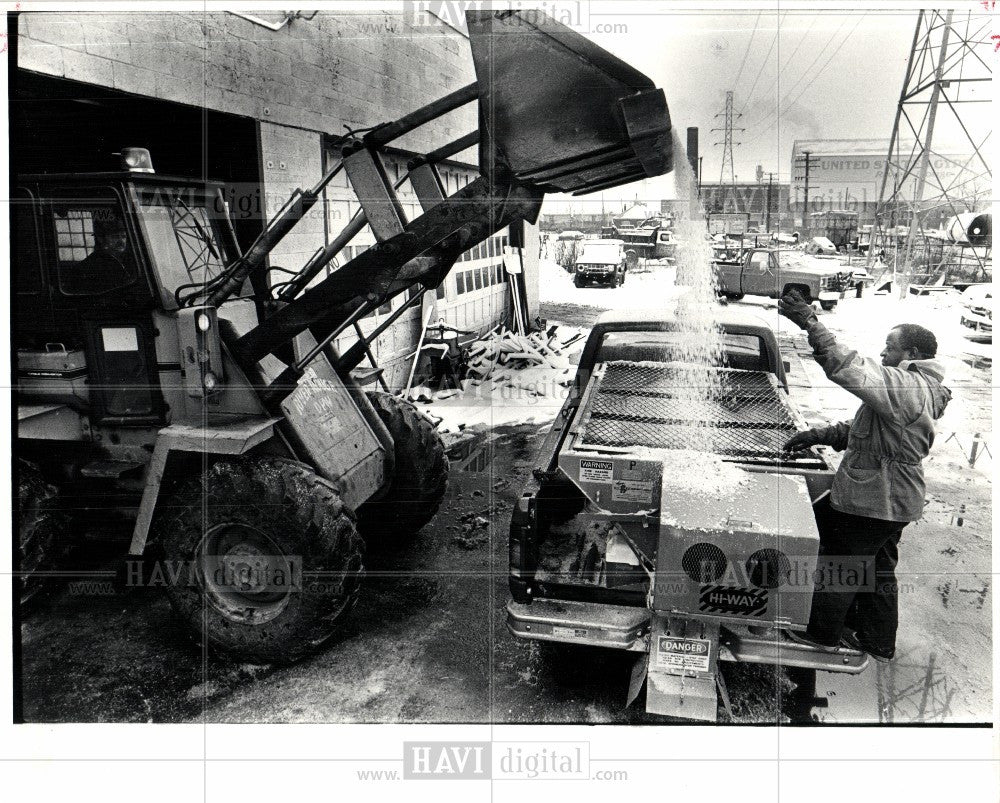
(203, 321)
(210, 381)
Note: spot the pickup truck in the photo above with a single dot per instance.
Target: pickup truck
(600, 262)
(772, 272)
(670, 523)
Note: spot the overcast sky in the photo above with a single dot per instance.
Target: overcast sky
(837, 75)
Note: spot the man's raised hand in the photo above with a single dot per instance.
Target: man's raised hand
(794, 307)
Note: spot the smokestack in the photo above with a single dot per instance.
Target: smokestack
(692, 151)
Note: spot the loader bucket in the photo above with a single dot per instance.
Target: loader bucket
(559, 112)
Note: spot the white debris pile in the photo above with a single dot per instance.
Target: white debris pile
(511, 379)
(703, 472)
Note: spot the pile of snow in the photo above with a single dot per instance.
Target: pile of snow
(513, 379)
(705, 473)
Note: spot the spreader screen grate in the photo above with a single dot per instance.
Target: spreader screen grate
(663, 406)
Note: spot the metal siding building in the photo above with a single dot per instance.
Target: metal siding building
(846, 174)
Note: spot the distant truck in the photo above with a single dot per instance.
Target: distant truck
(651, 239)
(600, 262)
(648, 529)
(771, 273)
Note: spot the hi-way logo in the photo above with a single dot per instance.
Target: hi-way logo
(732, 600)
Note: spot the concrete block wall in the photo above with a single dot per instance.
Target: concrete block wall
(337, 69)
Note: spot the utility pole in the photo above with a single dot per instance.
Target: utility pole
(806, 160)
(727, 147)
(767, 211)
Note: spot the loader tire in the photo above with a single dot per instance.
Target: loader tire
(262, 557)
(42, 529)
(420, 477)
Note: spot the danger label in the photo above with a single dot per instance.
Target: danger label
(731, 600)
(683, 654)
(595, 470)
(632, 491)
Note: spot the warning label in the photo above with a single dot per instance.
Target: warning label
(595, 470)
(674, 654)
(632, 491)
(570, 632)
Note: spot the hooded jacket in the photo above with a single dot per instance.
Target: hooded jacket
(881, 475)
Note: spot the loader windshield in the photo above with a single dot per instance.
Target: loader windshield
(183, 239)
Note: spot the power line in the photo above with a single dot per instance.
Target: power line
(827, 62)
(747, 51)
(774, 39)
(814, 78)
(799, 45)
(806, 71)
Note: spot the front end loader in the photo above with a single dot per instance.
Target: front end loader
(163, 381)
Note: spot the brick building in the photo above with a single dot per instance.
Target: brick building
(220, 96)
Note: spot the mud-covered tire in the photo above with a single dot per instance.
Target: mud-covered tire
(420, 477)
(278, 523)
(42, 530)
(828, 306)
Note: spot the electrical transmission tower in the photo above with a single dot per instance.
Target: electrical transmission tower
(727, 149)
(937, 164)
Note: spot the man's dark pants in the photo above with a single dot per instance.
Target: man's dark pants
(856, 550)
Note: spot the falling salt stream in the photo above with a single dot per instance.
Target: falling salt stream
(700, 333)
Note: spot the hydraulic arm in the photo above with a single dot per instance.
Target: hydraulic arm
(594, 123)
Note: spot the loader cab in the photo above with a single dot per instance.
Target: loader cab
(97, 263)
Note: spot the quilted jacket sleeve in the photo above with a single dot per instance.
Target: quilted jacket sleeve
(864, 377)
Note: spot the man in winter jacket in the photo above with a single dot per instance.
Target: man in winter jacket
(879, 487)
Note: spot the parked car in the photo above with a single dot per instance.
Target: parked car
(600, 262)
(977, 312)
(820, 245)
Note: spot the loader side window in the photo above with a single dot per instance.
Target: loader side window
(94, 256)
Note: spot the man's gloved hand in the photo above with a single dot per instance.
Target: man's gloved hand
(794, 307)
(801, 441)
